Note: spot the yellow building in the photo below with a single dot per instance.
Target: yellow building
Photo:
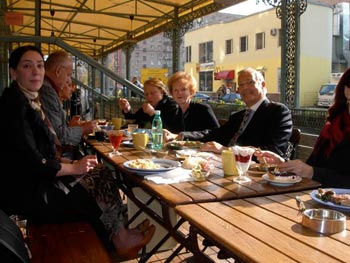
(255, 41)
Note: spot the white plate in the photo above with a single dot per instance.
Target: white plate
(165, 165)
(283, 183)
(330, 204)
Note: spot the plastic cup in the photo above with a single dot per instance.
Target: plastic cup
(117, 123)
(140, 139)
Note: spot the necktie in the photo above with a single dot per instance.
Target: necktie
(241, 127)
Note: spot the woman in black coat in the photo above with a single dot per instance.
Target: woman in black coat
(156, 99)
(192, 120)
(39, 184)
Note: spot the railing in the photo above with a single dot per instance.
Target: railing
(308, 120)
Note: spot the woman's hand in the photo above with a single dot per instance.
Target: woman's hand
(81, 166)
(212, 147)
(124, 105)
(148, 109)
(268, 157)
(168, 136)
(85, 164)
(297, 167)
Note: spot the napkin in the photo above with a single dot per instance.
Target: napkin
(176, 175)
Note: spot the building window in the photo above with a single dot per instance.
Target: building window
(243, 44)
(260, 40)
(206, 81)
(188, 54)
(279, 37)
(144, 58)
(206, 52)
(229, 46)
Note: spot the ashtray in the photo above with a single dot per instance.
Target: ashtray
(324, 221)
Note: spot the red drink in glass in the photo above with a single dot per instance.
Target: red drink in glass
(115, 138)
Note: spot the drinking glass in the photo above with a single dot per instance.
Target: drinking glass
(243, 157)
(115, 138)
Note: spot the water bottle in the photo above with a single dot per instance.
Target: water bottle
(157, 131)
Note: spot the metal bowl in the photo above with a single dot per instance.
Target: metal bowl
(324, 221)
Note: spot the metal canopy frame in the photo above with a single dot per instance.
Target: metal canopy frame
(99, 27)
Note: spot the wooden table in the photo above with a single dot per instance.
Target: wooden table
(264, 229)
(215, 188)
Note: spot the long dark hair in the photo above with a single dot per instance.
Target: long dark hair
(17, 54)
(340, 100)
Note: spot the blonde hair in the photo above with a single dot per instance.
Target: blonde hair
(192, 83)
(157, 83)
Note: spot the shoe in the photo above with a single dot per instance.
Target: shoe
(143, 226)
(132, 252)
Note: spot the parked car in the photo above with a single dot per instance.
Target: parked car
(231, 97)
(201, 96)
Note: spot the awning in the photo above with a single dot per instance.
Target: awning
(225, 74)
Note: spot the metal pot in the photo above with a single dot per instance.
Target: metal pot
(324, 221)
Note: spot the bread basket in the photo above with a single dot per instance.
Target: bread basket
(324, 221)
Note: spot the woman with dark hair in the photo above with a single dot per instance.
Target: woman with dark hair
(156, 99)
(42, 185)
(330, 158)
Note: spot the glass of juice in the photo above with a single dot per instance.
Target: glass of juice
(115, 138)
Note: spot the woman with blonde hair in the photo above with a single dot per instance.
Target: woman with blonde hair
(192, 119)
(156, 99)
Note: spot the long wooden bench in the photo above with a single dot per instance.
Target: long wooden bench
(71, 242)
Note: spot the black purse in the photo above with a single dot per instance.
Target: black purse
(12, 245)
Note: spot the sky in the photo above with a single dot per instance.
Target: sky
(246, 8)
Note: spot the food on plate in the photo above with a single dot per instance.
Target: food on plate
(183, 154)
(277, 175)
(261, 167)
(193, 162)
(144, 164)
(178, 145)
(198, 174)
(328, 195)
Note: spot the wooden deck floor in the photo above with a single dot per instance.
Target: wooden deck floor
(183, 256)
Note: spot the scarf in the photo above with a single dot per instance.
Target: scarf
(332, 134)
(34, 102)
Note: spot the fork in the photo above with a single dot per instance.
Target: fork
(300, 204)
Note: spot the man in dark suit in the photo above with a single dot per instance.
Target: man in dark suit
(267, 125)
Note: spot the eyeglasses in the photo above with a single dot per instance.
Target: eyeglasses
(248, 83)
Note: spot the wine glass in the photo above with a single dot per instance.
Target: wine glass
(243, 156)
(115, 138)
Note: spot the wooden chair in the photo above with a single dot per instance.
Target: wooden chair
(293, 144)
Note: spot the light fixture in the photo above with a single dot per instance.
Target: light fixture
(129, 37)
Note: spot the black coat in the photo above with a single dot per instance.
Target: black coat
(197, 121)
(270, 128)
(27, 149)
(333, 171)
(167, 107)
